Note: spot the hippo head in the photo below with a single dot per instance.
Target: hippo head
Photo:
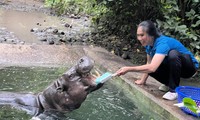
(70, 90)
(82, 68)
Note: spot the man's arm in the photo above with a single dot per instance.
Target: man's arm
(147, 68)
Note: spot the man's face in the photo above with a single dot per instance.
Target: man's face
(143, 37)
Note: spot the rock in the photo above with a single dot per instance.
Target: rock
(34, 30)
(50, 30)
(10, 40)
(42, 39)
(50, 42)
(125, 49)
(125, 55)
(68, 25)
(62, 33)
(2, 40)
(55, 31)
(74, 16)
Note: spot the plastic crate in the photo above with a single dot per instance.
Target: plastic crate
(189, 92)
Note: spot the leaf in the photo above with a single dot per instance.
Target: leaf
(196, 1)
(182, 28)
(190, 104)
(191, 13)
(196, 24)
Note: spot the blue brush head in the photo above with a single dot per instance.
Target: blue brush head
(106, 76)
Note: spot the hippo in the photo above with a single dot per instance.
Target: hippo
(65, 94)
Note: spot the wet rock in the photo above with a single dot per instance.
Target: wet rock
(49, 30)
(125, 55)
(55, 31)
(62, 40)
(62, 33)
(68, 39)
(125, 49)
(86, 34)
(10, 40)
(43, 39)
(39, 24)
(68, 25)
(2, 40)
(74, 16)
(34, 30)
(22, 42)
(50, 42)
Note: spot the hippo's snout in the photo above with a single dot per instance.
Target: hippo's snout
(84, 65)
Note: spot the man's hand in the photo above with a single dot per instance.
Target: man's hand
(122, 71)
(140, 82)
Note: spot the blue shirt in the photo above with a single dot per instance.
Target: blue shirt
(163, 44)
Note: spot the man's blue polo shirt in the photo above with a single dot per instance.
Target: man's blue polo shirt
(163, 44)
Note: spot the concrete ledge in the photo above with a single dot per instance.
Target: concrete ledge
(148, 94)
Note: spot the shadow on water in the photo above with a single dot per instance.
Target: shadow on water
(107, 103)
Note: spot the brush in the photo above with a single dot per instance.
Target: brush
(103, 78)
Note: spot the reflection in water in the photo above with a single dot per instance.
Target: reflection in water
(107, 103)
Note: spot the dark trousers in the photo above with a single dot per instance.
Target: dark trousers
(177, 65)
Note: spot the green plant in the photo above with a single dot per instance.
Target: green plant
(72, 6)
(176, 18)
(183, 23)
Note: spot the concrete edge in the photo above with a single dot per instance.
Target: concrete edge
(110, 62)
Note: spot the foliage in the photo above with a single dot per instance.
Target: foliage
(124, 15)
(71, 6)
(176, 18)
(182, 21)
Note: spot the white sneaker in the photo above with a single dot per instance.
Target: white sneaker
(170, 96)
(164, 88)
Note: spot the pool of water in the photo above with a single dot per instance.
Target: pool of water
(107, 103)
(20, 24)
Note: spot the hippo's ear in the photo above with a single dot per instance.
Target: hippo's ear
(68, 76)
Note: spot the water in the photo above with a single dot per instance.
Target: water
(20, 24)
(107, 103)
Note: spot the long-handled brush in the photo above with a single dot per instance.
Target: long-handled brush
(103, 78)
